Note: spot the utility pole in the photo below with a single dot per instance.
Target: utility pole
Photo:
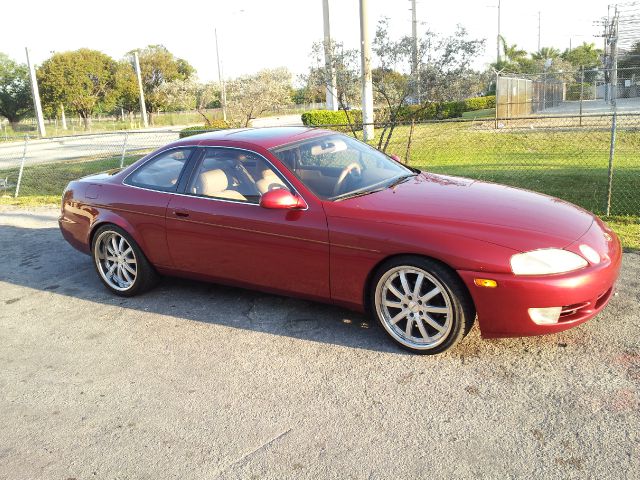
(614, 58)
(37, 107)
(223, 93)
(63, 117)
(539, 31)
(415, 68)
(367, 86)
(143, 107)
(330, 73)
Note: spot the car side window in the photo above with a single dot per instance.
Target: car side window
(163, 172)
(230, 174)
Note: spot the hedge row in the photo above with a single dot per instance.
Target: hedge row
(444, 110)
(195, 130)
(428, 111)
(329, 117)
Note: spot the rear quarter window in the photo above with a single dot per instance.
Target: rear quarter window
(162, 172)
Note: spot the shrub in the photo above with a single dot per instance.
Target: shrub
(195, 130)
(329, 117)
(574, 89)
(450, 109)
(480, 103)
(419, 113)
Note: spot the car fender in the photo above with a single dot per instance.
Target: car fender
(105, 217)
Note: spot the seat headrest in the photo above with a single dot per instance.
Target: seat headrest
(268, 173)
(213, 181)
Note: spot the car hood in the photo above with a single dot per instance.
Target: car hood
(506, 216)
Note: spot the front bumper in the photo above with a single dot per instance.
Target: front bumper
(503, 311)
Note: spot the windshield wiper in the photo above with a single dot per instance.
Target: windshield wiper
(357, 193)
(401, 179)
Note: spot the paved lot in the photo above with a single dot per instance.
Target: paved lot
(84, 146)
(623, 105)
(278, 121)
(201, 381)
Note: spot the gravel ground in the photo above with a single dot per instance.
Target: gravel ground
(200, 381)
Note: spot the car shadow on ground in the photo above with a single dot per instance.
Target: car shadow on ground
(40, 260)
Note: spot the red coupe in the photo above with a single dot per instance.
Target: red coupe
(316, 214)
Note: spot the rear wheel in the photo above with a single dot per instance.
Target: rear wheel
(422, 304)
(120, 263)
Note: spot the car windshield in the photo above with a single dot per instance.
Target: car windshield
(336, 167)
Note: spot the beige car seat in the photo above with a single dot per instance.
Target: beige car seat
(269, 181)
(214, 183)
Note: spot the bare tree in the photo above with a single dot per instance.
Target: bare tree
(250, 96)
(346, 67)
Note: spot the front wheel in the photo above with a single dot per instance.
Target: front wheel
(120, 263)
(422, 304)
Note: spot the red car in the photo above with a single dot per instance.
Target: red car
(316, 214)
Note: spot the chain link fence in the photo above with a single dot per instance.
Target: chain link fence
(42, 167)
(590, 160)
(578, 92)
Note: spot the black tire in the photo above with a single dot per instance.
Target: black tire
(145, 277)
(452, 297)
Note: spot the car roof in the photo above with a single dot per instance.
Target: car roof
(265, 137)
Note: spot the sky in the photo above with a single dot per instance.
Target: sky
(257, 34)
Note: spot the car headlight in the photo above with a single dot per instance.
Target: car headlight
(546, 262)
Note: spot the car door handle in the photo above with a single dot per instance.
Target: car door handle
(181, 213)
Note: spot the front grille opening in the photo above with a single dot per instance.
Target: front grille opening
(576, 310)
(573, 309)
(602, 299)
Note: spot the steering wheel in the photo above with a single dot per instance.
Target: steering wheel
(346, 171)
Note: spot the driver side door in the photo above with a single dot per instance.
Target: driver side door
(217, 229)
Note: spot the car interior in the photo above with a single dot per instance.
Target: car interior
(162, 172)
(235, 175)
(331, 166)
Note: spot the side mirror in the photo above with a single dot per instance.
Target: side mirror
(282, 199)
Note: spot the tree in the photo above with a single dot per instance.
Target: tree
(126, 86)
(391, 87)
(631, 58)
(207, 96)
(546, 53)
(178, 94)
(250, 96)
(308, 93)
(159, 66)
(585, 56)
(512, 53)
(82, 79)
(447, 74)
(15, 93)
(345, 64)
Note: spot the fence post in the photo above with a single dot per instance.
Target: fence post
(24, 155)
(497, 99)
(124, 149)
(612, 151)
(408, 153)
(581, 91)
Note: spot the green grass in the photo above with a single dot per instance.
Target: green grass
(484, 113)
(99, 125)
(44, 182)
(571, 164)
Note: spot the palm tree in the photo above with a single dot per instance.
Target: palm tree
(546, 53)
(511, 52)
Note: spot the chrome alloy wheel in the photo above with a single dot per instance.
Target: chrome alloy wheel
(414, 307)
(116, 260)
